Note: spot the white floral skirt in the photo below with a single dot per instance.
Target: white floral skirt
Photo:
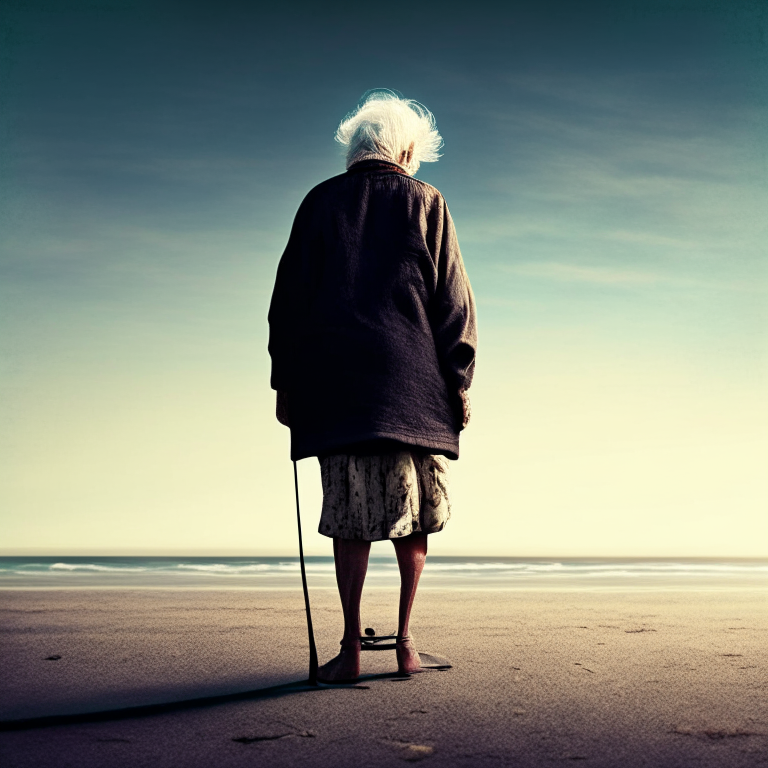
(385, 496)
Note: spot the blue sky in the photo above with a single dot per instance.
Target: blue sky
(605, 164)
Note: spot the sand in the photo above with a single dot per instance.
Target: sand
(611, 679)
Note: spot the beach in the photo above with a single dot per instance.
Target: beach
(604, 677)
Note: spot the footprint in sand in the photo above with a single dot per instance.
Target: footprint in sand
(412, 752)
(272, 737)
(714, 733)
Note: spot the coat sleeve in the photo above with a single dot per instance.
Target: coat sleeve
(284, 309)
(454, 322)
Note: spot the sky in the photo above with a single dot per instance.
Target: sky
(606, 167)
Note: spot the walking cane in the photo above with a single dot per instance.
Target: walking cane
(312, 649)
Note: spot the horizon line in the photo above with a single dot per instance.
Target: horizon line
(23, 552)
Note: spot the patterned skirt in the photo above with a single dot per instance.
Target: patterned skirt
(386, 496)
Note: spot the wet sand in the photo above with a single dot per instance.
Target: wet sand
(643, 678)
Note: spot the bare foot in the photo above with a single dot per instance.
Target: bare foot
(408, 661)
(342, 668)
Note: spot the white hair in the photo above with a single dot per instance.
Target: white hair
(384, 125)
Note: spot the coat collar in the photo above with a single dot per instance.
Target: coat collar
(375, 165)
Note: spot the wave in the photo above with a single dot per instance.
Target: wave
(454, 571)
(257, 568)
(70, 567)
(594, 569)
(165, 568)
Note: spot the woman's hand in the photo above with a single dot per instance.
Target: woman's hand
(281, 411)
(466, 408)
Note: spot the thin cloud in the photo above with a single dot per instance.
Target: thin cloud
(618, 276)
(553, 270)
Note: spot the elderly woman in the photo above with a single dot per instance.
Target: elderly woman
(372, 339)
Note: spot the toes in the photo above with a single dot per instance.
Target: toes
(338, 670)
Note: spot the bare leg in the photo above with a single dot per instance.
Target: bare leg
(411, 553)
(351, 559)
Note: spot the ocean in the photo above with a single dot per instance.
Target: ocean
(453, 573)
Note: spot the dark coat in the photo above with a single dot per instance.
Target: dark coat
(372, 320)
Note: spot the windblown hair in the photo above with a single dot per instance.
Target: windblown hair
(384, 125)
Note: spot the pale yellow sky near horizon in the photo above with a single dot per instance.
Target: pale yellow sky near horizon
(564, 457)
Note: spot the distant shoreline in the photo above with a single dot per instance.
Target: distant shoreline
(442, 572)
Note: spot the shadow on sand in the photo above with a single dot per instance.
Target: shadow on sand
(125, 713)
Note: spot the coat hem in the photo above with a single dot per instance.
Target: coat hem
(449, 448)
